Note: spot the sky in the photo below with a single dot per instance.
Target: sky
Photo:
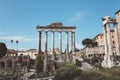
(19, 18)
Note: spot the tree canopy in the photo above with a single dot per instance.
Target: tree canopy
(89, 43)
(3, 49)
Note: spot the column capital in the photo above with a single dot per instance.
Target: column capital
(72, 31)
(39, 31)
(115, 23)
(66, 31)
(53, 31)
(60, 31)
(46, 31)
(107, 24)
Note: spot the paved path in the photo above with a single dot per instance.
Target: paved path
(27, 75)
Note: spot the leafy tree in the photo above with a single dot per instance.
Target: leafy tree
(39, 63)
(3, 49)
(94, 44)
(87, 42)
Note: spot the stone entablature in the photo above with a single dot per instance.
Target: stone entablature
(56, 29)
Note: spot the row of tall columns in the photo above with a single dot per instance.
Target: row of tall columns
(60, 45)
(60, 42)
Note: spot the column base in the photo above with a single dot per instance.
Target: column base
(108, 63)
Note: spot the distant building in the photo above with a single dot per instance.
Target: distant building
(31, 52)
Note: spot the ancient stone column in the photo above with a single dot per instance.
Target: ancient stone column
(39, 42)
(73, 42)
(45, 52)
(105, 62)
(46, 39)
(109, 39)
(53, 45)
(53, 42)
(67, 46)
(60, 42)
(110, 53)
(105, 39)
(116, 39)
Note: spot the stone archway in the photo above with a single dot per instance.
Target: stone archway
(2, 64)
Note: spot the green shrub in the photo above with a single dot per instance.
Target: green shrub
(67, 72)
(91, 75)
(39, 63)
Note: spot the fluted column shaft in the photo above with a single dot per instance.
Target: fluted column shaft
(105, 39)
(45, 52)
(46, 39)
(116, 39)
(60, 42)
(73, 42)
(52, 42)
(67, 46)
(109, 39)
(39, 42)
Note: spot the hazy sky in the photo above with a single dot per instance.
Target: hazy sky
(19, 18)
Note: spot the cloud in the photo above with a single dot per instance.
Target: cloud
(2, 32)
(19, 38)
(78, 15)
